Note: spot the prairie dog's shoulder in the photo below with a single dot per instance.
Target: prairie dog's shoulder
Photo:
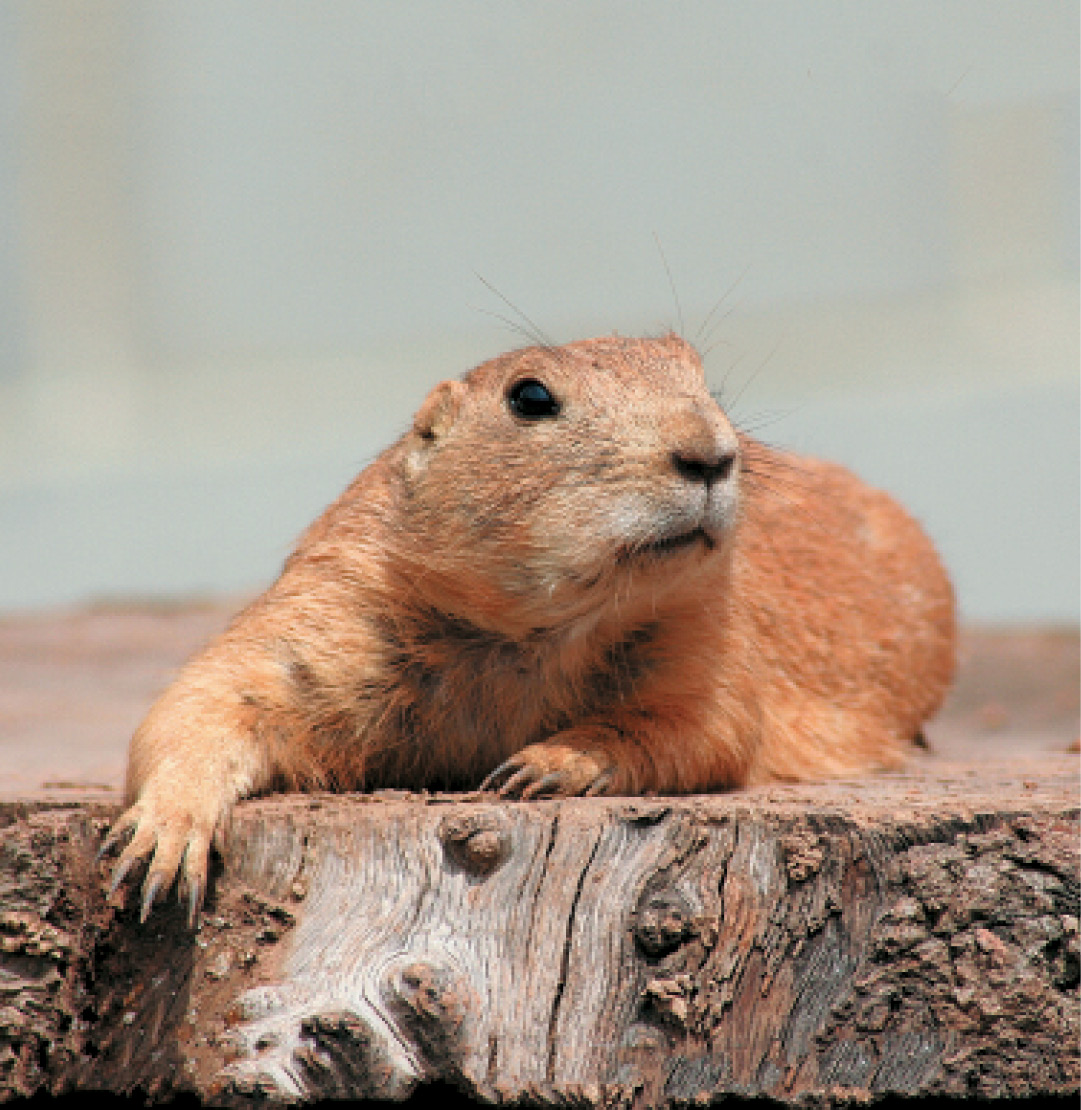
(362, 512)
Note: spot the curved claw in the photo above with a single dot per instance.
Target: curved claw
(503, 772)
(515, 786)
(544, 787)
(599, 785)
(150, 892)
(120, 873)
(195, 899)
(112, 841)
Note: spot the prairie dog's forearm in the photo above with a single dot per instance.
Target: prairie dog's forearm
(205, 727)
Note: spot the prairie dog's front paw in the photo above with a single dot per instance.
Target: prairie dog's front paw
(173, 837)
(553, 769)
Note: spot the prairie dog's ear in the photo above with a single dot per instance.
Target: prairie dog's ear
(435, 417)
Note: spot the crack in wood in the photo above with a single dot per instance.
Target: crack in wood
(549, 848)
(493, 1058)
(564, 965)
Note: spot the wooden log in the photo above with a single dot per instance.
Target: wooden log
(910, 935)
(915, 935)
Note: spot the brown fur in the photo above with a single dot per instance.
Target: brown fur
(487, 591)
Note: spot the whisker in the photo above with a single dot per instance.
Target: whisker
(758, 370)
(537, 335)
(765, 419)
(513, 325)
(718, 392)
(671, 283)
(702, 335)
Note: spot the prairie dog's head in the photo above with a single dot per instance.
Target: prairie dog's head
(550, 475)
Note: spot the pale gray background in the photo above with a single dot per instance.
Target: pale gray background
(239, 239)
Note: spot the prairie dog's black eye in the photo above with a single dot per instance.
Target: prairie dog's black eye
(532, 400)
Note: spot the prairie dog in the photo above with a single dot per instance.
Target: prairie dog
(572, 575)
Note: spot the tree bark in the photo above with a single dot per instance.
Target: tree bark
(913, 934)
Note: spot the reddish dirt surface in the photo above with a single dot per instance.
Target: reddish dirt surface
(74, 685)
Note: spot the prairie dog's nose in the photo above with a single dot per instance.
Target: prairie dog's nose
(705, 467)
(701, 444)
(704, 450)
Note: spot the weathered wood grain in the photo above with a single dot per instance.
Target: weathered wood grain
(911, 935)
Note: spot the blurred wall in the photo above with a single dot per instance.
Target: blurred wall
(239, 240)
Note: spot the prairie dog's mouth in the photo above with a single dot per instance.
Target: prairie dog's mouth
(670, 544)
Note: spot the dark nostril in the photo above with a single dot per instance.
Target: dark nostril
(707, 470)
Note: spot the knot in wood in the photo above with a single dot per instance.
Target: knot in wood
(422, 988)
(336, 1028)
(340, 1057)
(662, 922)
(478, 842)
(431, 1005)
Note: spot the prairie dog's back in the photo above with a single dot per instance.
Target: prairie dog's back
(845, 601)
